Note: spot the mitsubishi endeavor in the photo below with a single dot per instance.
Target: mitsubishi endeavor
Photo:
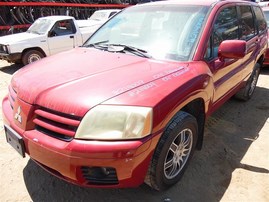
(130, 105)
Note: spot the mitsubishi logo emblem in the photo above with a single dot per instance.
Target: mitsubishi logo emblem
(18, 115)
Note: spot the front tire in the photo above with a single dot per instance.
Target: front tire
(173, 152)
(31, 56)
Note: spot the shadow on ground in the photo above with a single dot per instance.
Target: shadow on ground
(11, 68)
(228, 135)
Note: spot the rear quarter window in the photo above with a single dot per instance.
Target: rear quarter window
(261, 22)
(248, 29)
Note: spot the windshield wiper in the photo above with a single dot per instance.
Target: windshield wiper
(134, 50)
(103, 45)
(97, 45)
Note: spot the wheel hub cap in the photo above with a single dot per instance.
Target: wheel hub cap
(178, 153)
(34, 58)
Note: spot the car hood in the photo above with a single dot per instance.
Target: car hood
(77, 80)
(20, 37)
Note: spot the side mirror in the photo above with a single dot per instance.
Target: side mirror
(232, 49)
(51, 33)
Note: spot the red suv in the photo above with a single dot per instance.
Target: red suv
(130, 105)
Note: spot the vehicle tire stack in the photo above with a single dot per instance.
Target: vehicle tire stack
(16, 16)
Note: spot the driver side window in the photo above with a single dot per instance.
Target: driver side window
(225, 28)
(63, 27)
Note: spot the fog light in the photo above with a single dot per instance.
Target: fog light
(99, 175)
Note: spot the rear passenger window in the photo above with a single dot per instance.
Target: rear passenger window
(247, 23)
(225, 28)
(261, 22)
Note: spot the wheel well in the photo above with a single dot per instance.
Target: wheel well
(260, 60)
(197, 109)
(34, 48)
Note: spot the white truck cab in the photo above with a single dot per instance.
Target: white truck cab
(45, 37)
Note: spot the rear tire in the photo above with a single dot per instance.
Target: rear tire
(173, 152)
(18, 62)
(31, 56)
(246, 93)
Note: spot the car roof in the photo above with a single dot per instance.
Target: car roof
(105, 10)
(198, 2)
(57, 17)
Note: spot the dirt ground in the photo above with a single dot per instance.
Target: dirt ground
(232, 166)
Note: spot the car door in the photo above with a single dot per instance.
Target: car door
(62, 36)
(262, 28)
(249, 33)
(225, 73)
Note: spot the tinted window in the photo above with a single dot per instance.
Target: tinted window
(111, 14)
(247, 23)
(260, 19)
(225, 28)
(266, 15)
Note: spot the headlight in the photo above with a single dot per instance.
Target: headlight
(115, 122)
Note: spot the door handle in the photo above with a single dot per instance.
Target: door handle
(71, 37)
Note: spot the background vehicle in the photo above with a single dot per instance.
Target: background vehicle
(98, 18)
(130, 105)
(266, 14)
(45, 37)
(102, 15)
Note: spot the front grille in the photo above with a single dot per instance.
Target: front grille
(99, 175)
(12, 96)
(58, 125)
(55, 124)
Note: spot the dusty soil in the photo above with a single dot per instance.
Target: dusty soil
(232, 166)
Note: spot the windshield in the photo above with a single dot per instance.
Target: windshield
(40, 26)
(161, 31)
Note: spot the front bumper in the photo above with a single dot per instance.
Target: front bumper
(77, 160)
(13, 57)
